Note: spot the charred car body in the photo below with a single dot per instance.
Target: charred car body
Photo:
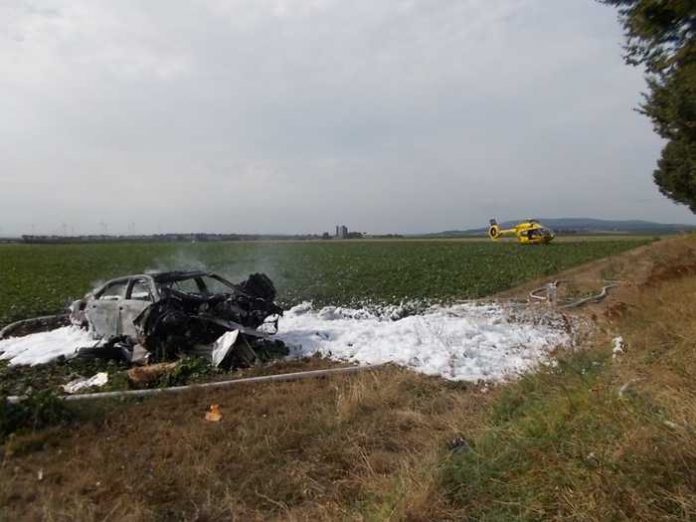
(159, 316)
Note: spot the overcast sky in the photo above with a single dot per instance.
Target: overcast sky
(292, 116)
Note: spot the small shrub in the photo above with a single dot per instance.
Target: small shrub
(189, 370)
(39, 410)
(267, 350)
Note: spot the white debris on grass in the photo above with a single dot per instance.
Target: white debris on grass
(97, 380)
(465, 342)
(223, 346)
(44, 347)
(619, 347)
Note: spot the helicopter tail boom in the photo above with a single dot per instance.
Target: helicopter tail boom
(496, 232)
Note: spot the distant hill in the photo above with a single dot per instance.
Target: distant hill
(584, 226)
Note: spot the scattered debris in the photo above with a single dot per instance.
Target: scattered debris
(222, 346)
(619, 347)
(552, 293)
(141, 376)
(459, 445)
(213, 414)
(624, 387)
(83, 383)
(672, 425)
(139, 355)
(592, 460)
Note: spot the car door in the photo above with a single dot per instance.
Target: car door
(102, 312)
(140, 295)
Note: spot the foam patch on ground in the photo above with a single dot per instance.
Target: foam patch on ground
(44, 347)
(465, 342)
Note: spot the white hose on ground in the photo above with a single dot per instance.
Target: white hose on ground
(573, 304)
(13, 399)
(546, 289)
(593, 298)
(7, 330)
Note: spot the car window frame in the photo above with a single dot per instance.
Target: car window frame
(228, 284)
(148, 281)
(99, 295)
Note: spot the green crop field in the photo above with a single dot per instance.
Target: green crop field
(41, 279)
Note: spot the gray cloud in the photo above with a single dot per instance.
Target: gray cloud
(293, 115)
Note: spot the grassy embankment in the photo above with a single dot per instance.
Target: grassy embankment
(597, 438)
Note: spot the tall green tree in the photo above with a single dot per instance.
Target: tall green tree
(661, 35)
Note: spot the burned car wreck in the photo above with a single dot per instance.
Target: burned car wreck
(160, 316)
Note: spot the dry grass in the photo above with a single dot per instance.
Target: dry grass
(346, 448)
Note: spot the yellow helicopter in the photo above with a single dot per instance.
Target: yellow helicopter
(529, 232)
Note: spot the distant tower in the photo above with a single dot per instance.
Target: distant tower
(341, 232)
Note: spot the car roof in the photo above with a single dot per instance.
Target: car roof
(177, 275)
(164, 277)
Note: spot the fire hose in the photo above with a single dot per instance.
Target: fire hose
(551, 288)
(13, 399)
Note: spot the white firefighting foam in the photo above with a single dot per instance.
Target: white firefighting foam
(44, 347)
(465, 342)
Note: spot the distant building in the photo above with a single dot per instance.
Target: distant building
(341, 232)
